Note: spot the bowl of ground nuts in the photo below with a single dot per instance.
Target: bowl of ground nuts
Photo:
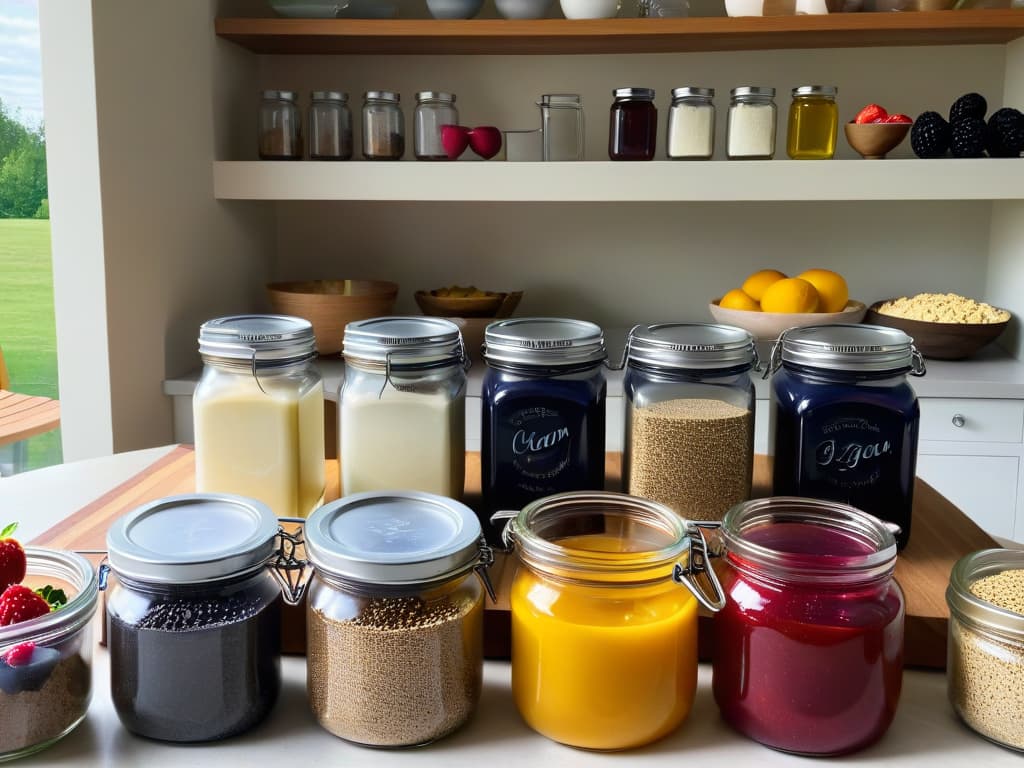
(944, 326)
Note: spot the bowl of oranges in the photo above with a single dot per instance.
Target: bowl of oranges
(769, 302)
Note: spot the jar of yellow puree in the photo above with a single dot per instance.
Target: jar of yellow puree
(604, 634)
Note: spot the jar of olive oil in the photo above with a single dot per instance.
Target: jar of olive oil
(813, 123)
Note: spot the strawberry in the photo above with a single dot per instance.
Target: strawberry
(19, 655)
(19, 603)
(898, 119)
(12, 558)
(872, 113)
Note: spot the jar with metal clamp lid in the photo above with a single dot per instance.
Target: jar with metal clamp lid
(844, 419)
(689, 441)
(259, 412)
(401, 418)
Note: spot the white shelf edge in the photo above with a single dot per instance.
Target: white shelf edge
(658, 181)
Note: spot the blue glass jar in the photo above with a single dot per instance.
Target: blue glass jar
(543, 412)
(844, 420)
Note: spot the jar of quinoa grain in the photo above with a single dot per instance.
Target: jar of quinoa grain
(985, 668)
(395, 616)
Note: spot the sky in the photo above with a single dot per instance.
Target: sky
(21, 85)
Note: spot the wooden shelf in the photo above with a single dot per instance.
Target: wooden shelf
(562, 36)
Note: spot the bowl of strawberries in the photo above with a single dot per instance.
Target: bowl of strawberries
(874, 133)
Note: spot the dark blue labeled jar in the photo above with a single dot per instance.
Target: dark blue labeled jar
(844, 419)
(543, 412)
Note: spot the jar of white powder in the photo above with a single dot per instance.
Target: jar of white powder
(752, 119)
(691, 124)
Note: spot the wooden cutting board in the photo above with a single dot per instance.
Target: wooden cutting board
(942, 534)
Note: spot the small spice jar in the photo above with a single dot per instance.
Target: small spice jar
(433, 109)
(280, 126)
(604, 639)
(752, 115)
(395, 617)
(633, 132)
(689, 441)
(330, 126)
(194, 611)
(561, 120)
(844, 419)
(383, 126)
(809, 646)
(691, 124)
(402, 406)
(543, 411)
(985, 669)
(813, 123)
(46, 685)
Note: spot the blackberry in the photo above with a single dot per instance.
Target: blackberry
(930, 135)
(1004, 135)
(968, 138)
(968, 105)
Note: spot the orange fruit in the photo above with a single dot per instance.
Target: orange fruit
(793, 294)
(737, 299)
(755, 285)
(833, 292)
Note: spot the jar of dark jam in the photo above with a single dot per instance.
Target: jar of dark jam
(809, 646)
(634, 124)
(843, 419)
(543, 429)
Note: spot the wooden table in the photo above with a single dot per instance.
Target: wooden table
(23, 416)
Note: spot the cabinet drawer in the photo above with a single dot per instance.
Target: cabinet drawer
(989, 421)
(991, 504)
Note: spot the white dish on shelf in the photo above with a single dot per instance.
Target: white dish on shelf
(454, 9)
(590, 9)
(523, 9)
(332, 9)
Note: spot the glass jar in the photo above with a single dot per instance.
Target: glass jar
(752, 117)
(813, 123)
(561, 119)
(634, 124)
(604, 640)
(543, 411)
(402, 406)
(194, 611)
(383, 126)
(433, 109)
(809, 646)
(986, 644)
(258, 412)
(689, 441)
(280, 126)
(844, 420)
(330, 126)
(395, 617)
(46, 694)
(691, 124)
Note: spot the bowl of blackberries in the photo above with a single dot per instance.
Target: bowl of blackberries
(969, 132)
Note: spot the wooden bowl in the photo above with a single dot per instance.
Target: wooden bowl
(768, 325)
(331, 304)
(940, 341)
(492, 305)
(873, 141)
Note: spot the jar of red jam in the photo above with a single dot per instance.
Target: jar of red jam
(634, 124)
(809, 646)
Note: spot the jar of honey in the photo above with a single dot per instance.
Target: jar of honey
(813, 123)
(604, 639)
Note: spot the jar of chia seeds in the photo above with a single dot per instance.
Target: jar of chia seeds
(844, 420)
(689, 441)
(395, 617)
(985, 670)
(193, 616)
(543, 411)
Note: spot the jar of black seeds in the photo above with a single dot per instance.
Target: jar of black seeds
(193, 617)
(395, 617)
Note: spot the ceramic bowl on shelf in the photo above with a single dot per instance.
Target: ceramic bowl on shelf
(590, 9)
(331, 9)
(940, 341)
(523, 9)
(765, 326)
(873, 141)
(491, 304)
(454, 9)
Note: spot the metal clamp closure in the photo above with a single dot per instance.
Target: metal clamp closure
(625, 351)
(917, 367)
(698, 562)
(287, 569)
(774, 358)
(506, 516)
(482, 567)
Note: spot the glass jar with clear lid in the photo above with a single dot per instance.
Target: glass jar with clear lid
(752, 117)
(330, 126)
(395, 617)
(691, 124)
(383, 126)
(561, 119)
(433, 109)
(689, 440)
(402, 406)
(813, 123)
(279, 126)
(258, 412)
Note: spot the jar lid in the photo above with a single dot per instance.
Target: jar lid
(560, 100)
(393, 538)
(192, 539)
(690, 90)
(283, 95)
(383, 96)
(702, 346)
(867, 348)
(815, 90)
(264, 340)
(329, 96)
(646, 94)
(988, 613)
(403, 341)
(435, 96)
(753, 90)
(544, 341)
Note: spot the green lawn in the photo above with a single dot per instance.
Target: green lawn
(27, 332)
